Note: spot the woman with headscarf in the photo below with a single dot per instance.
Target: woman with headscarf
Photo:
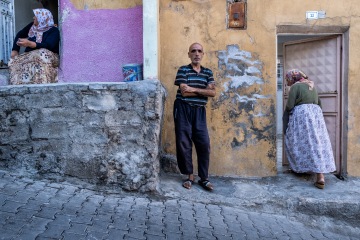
(307, 143)
(39, 63)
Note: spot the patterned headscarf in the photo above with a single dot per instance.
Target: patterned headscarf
(297, 76)
(46, 21)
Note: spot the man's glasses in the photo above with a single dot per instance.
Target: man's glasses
(196, 50)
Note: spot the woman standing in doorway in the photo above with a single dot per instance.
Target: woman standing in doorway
(307, 143)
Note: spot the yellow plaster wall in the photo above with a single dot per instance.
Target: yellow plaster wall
(204, 21)
(105, 4)
(353, 131)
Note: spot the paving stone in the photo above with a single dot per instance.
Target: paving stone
(32, 205)
(137, 233)
(42, 198)
(137, 224)
(22, 197)
(108, 206)
(58, 201)
(141, 201)
(28, 235)
(69, 209)
(47, 212)
(24, 215)
(171, 217)
(77, 228)
(220, 229)
(282, 236)
(67, 190)
(156, 219)
(154, 229)
(230, 219)
(204, 233)
(99, 224)
(15, 225)
(38, 223)
(71, 235)
(224, 237)
(188, 230)
(8, 191)
(62, 219)
(5, 215)
(36, 186)
(138, 215)
(3, 198)
(250, 235)
(7, 234)
(53, 232)
(171, 227)
(83, 219)
(76, 200)
(185, 205)
(11, 206)
(97, 235)
(176, 236)
(116, 234)
(88, 209)
(154, 237)
(120, 223)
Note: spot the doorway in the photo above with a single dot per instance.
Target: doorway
(321, 57)
(15, 15)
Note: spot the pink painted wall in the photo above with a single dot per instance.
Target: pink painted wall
(96, 43)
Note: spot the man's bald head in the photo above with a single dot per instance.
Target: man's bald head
(192, 45)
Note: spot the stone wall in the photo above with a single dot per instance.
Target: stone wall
(106, 133)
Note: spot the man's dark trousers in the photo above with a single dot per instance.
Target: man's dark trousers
(190, 126)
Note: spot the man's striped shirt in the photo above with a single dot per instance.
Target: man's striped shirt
(186, 74)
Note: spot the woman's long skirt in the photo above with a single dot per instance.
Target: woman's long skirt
(307, 143)
(35, 67)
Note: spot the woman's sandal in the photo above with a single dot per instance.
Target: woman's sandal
(206, 184)
(188, 183)
(319, 185)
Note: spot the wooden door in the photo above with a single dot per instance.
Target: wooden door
(320, 59)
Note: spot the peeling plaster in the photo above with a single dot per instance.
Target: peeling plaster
(65, 14)
(241, 69)
(246, 108)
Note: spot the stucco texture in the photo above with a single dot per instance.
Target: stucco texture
(105, 4)
(96, 43)
(242, 116)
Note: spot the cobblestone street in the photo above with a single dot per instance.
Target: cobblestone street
(44, 209)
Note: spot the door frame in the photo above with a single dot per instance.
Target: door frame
(321, 31)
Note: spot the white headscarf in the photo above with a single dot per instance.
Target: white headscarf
(46, 21)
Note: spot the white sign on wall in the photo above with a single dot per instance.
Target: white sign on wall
(315, 14)
(312, 14)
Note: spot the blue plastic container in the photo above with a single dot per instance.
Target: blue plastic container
(132, 72)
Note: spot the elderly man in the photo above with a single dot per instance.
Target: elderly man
(196, 83)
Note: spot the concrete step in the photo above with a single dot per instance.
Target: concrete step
(286, 193)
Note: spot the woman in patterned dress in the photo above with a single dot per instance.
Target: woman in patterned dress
(307, 143)
(39, 63)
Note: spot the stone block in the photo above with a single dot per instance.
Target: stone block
(100, 102)
(122, 118)
(48, 130)
(101, 132)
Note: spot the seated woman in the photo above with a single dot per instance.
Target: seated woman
(39, 63)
